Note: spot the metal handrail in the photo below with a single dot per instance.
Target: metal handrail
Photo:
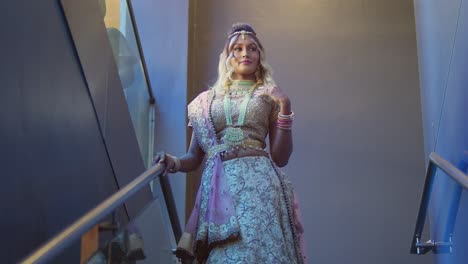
(450, 169)
(65, 238)
(131, 12)
(435, 161)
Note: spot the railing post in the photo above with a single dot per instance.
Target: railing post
(171, 207)
(418, 247)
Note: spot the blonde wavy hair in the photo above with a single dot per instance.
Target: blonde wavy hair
(263, 74)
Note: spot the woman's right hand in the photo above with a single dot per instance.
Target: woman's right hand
(167, 160)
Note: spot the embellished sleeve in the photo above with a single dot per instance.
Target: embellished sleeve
(193, 108)
(190, 111)
(275, 109)
(189, 124)
(196, 111)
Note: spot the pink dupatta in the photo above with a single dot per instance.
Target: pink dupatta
(213, 218)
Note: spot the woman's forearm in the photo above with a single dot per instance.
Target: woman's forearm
(281, 143)
(189, 162)
(281, 147)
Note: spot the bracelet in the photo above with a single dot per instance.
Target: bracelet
(177, 163)
(285, 128)
(285, 122)
(286, 117)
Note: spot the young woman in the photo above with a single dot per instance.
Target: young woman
(245, 210)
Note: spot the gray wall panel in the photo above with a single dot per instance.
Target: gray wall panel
(350, 68)
(85, 21)
(54, 163)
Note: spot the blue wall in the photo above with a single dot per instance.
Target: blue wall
(442, 32)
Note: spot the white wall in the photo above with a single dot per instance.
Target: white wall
(163, 27)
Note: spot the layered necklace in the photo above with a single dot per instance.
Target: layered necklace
(233, 134)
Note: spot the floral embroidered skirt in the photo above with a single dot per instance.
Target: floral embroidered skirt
(262, 212)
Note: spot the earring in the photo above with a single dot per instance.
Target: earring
(229, 77)
(228, 82)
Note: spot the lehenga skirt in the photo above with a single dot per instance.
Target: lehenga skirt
(263, 197)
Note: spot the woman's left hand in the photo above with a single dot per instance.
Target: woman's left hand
(278, 95)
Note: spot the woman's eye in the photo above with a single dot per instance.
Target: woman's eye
(253, 49)
(237, 49)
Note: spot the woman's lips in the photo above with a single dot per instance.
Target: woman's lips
(246, 62)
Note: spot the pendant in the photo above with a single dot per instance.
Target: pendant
(233, 136)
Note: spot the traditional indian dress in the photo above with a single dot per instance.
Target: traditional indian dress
(245, 210)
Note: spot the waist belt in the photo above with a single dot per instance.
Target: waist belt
(246, 143)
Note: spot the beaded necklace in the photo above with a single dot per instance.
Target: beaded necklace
(234, 134)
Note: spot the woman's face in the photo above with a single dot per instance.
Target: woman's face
(245, 58)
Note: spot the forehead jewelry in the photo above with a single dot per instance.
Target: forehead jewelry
(242, 32)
